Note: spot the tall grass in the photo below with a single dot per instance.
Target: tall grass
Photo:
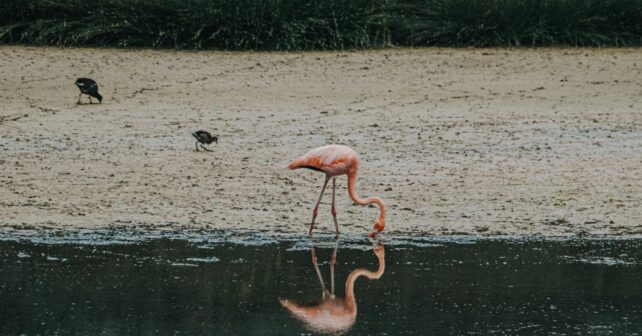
(320, 24)
(518, 22)
(196, 24)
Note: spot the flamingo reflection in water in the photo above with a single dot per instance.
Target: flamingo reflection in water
(334, 315)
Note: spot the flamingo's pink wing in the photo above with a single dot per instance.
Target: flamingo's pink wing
(334, 159)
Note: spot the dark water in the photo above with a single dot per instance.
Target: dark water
(177, 287)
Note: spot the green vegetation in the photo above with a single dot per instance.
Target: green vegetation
(521, 22)
(323, 24)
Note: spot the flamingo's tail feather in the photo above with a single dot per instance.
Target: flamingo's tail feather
(297, 163)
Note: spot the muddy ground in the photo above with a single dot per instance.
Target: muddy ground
(456, 141)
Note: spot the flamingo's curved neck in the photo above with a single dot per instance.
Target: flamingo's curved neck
(352, 181)
(350, 300)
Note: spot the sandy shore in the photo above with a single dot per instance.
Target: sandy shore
(456, 141)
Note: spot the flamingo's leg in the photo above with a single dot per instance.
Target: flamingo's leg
(316, 207)
(334, 209)
(333, 259)
(316, 268)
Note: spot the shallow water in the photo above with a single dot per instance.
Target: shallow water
(436, 287)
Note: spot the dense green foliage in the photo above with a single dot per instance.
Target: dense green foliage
(326, 24)
(521, 22)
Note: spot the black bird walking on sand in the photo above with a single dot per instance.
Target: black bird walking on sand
(204, 137)
(89, 87)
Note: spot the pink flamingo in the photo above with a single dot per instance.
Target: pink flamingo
(335, 160)
(334, 315)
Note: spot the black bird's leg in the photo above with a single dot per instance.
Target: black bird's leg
(90, 102)
(80, 95)
(197, 146)
(205, 148)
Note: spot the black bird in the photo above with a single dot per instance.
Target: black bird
(204, 137)
(88, 87)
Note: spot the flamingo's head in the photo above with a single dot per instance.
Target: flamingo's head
(378, 227)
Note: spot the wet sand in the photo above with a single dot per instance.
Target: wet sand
(456, 141)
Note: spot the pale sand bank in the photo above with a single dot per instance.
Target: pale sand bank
(491, 141)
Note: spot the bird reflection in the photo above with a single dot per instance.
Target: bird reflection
(334, 315)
